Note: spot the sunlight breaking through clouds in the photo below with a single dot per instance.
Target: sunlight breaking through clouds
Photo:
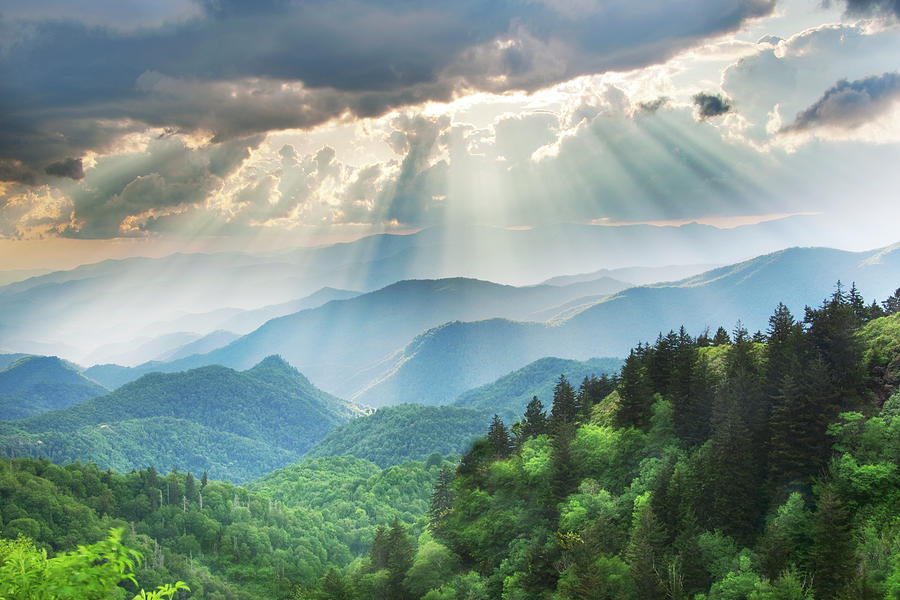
(516, 127)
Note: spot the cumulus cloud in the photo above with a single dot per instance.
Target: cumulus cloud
(125, 194)
(850, 104)
(206, 70)
(792, 75)
(711, 105)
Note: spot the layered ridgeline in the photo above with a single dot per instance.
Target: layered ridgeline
(224, 541)
(479, 352)
(30, 385)
(344, 345)
(121, 300)
(234, 425)
(394, 434)
(428, 341)
(726, 467)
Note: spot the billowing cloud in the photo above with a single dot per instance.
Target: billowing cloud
(850, 104)
(126, 193)
(711, 105)
(73, 84)
(781, 81)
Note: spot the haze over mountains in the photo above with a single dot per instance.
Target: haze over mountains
(428, 341)
(77, 312)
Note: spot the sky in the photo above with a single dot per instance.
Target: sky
(144, 128)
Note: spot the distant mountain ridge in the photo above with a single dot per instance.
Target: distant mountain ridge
(341, 344)
(73, 312)
(747, 291)
(394, 434)
(30, 385)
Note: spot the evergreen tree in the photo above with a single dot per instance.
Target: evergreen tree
(498, 436)
(831, 333)
(399, 560)
(857, 304)
(562, 468)
(721, 338)
(678, 389)
(892, 304)
(736, 467)
(874, 311)
(173, 489)
(535, 421)
(334, 587)
(703, 340)
(783, 346)
(441, 499)
(644, 554)
(693, 412)
(190, 487)
(635, 393)
(833, 554)
(473, 463)
(592, 391)
(203, 480)
(379, 550)
(565, 405)
(659, 361)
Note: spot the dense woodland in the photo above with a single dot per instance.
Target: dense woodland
(726, 466)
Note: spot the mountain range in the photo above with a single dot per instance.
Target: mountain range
(427, 341)
(76, 312)
(344, 345)
(443, 361)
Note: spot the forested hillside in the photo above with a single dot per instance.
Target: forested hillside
(234, 425)
(31, 385)
(395, 434)
(722, 467)
(225, 542)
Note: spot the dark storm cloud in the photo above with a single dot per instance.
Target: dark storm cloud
(849, 104)
(70, 167)
(68, 86)
(873, 7)
(16, 171)
(711, 105)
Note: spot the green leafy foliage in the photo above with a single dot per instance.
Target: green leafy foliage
(92, 572)
(222, 540)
